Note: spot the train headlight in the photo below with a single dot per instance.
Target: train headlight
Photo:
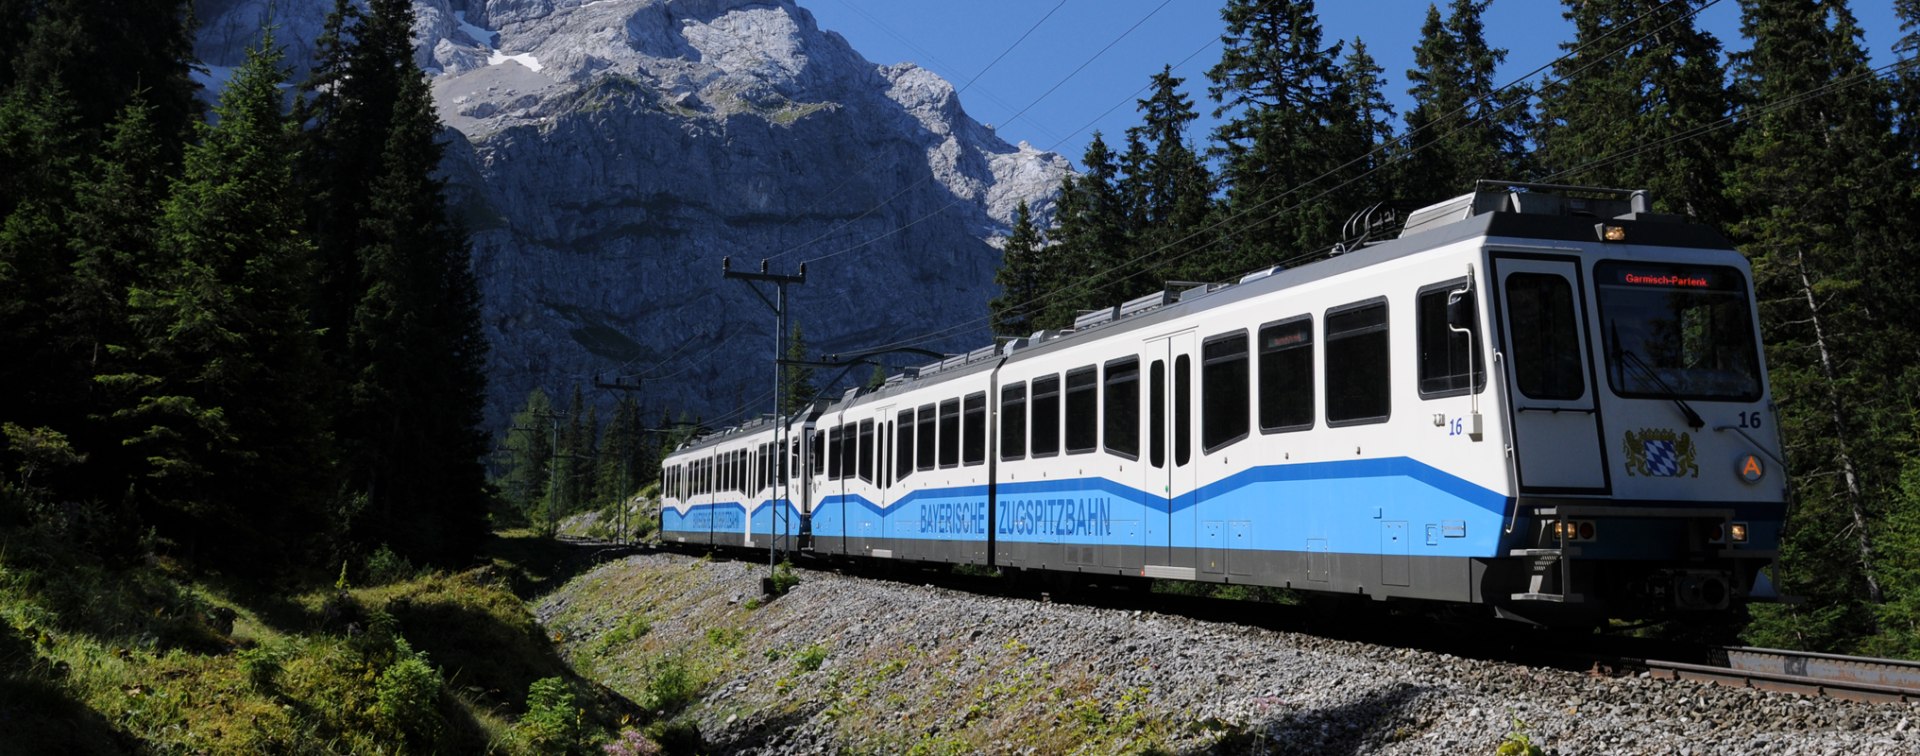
(1586, 531)
(1610, 232)
(1739, 532)
(1717, 533)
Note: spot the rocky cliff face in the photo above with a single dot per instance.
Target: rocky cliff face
(609, 153)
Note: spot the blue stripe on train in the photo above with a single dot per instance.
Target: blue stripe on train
(1276, 508)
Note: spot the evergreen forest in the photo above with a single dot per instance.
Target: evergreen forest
(242, 332)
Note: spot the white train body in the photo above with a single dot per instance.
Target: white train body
(1336, 427)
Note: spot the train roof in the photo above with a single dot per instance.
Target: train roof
(1495, 209)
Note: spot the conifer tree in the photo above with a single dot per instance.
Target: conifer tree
(1364, 125)
(1814, 180)
(235, 449)
(1175, 188)
(413, 358)
(529, 446)
(103, 54)
(1635, 104)
(796, 381)
(1460, 129)
(1274, 80)
(1014, 311)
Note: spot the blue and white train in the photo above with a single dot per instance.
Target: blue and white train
(1545, 401)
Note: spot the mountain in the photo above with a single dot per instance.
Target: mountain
(606, 154)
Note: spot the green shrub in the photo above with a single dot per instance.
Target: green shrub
(670, 685)
(1518, 742)
(385, 567)
(262, 667)
(627, 631)
(783, 579)
(407, 694)
(725, 637)
(810, 658)
(552, 723)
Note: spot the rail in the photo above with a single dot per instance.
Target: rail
(1852, 678)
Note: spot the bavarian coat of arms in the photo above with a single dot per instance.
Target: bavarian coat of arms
(1660, 453)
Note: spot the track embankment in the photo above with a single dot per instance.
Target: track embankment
(847, 664)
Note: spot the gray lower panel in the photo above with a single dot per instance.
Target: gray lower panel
(1453, 579)
(953, 552)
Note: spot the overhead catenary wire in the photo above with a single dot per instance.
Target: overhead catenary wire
(1090, 283)
(1116, 106)
(835, 190)
(1030, 105)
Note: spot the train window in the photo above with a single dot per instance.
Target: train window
(1446, 355)
(817, 453)
(903, 446)
(740, 470)
(973, 444)
(1541, 315)
(1046, 416)
(1675, 330)
(1182, 410)
(1083, 411)
(950, 433)
(882, 453)
(1224, 388)
(924, 437)
(849, 450)
(1013, 421)
(866, 450)
(1157, 414)
(1358, 364)
(1286, 375)
(1121, 433)
(834, 457)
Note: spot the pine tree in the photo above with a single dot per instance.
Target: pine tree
(1175, 188)
(1814, 180)
(115, 249)
(1364, 124)
(1277, 149)
(796, 381)
(414, 355)
(529, 446)
(1013, 312)
(223, 393)
(103, 54)
(40, 152)
(1460, 129)
(1636, 103)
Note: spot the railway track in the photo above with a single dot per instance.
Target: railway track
(1853, 678)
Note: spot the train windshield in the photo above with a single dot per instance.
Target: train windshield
(1680, 331)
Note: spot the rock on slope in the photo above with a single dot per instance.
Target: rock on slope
(845, 664)
(609, 153)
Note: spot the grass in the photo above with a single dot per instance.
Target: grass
(96, 658)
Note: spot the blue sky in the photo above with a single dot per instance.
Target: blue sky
(958, 39)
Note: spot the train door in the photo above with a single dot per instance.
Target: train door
(873, 455)
(1550, 391)
(1172, 465)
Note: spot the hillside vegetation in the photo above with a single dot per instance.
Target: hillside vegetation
(152, 657)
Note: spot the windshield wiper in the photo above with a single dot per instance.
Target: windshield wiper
(1628, 358)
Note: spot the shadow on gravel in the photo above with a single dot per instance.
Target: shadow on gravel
(1363, 726)
(774, 735)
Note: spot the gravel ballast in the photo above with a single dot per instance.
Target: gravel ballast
(849, 664)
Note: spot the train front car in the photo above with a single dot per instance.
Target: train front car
(1644, 458)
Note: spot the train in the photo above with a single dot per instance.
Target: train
(1544, 403)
